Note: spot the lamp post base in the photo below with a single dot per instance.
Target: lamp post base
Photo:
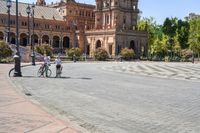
(33, 59)
(17, 72)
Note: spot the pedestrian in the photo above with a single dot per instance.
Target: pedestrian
(74, 58)
(46, 63)
(58, 63)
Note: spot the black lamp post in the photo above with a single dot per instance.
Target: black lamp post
(17, 57)
(33, 37)
(28, 11)
(8, 4)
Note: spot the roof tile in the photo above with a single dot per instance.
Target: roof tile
(46, 12)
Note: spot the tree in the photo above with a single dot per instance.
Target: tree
(159, 48)
(153, 30)
(183, 33)
(170, 27)
(194, 35)
(176, 47)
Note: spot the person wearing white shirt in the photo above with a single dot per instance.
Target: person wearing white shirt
(46, 63)
(58, 63)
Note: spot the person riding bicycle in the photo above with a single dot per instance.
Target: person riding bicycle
(58, 63)
(46, 63)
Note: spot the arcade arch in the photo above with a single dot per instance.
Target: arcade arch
(98, 44)
(34, 38)
(66, 42)
(12, 38)
(56, 41)
(45, 39)
(132, 46)
(1, 35)
(23, 39)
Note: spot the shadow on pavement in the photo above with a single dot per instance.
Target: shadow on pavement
(84, 78)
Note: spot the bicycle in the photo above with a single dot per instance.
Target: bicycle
(42, 71)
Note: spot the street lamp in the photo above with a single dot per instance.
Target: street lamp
(33, 39)
(8, 4)
(17, 57)
(28, 11)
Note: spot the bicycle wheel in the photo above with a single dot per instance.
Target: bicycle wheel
(48, 73)
(39, 73)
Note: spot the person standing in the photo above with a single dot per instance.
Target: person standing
(46, 63)
(58, 63)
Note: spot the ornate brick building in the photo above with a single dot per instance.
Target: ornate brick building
(111, 24)
(49, 26)
(115, 28)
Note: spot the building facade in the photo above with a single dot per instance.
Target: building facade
(111, 25)
(49, 26)
(115, 28)
(192, 16)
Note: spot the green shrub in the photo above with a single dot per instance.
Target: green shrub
(5, 50)
(127, 54)
(101, 54)
(186, 54)
(73, 51)
(156, 58)
(177, 58)
(44, 49)
(7, 60)
(167, 59)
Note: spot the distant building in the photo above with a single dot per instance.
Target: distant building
(109, 25)
(192, 16)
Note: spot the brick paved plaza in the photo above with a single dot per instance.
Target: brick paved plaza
(120, 97)
(19, 115)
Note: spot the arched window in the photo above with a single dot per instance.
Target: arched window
(98, 44)
(66, 42)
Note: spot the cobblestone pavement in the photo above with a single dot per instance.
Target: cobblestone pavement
(19, 115)
(121, 97)
(186, 71)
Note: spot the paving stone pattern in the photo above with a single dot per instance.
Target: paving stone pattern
(186, 71)
(135, 97)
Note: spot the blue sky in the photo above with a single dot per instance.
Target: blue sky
(159, 9)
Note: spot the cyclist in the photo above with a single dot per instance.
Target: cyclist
(46, 64)
(58, 63)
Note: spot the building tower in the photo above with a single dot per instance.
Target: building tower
(41, 3)
(115, 24)
(119, 14)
